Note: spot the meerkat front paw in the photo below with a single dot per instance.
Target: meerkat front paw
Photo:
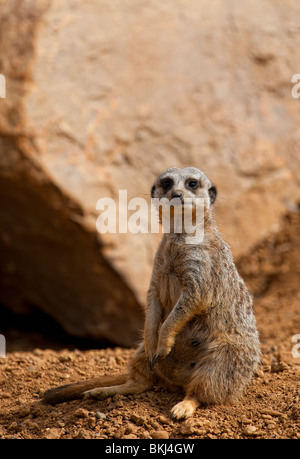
(184, 409)
(158, 356)
(164, 347)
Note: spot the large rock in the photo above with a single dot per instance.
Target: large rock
(51, 257)
(103, 96)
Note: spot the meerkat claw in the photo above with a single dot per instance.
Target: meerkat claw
(154, 360)
(149, 361)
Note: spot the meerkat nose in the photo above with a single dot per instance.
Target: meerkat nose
(177, 194)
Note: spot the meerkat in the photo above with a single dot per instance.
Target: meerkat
(200, 333)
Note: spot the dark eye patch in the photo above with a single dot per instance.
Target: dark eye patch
(193, 184)
(166, 184)
(192, 364)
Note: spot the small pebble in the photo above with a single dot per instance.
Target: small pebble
(13, 426)
(245, 420)
(112, 362)
(271, 413)
(31, 425)
(66, 358)
(81, 413)
(139, 421)
(249, 430)
(82, 435)
(259, 373)
(154, 424)
(38, 352)
(163, 420)
(100, 415)
(266, 416)
(187, 429)
(160, 435)
(52, 433)
(277, 367)
(129, 430)
(92, 422)
(200, 432)
(24, 411)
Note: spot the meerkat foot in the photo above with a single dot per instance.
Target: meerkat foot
(184, 409)
(98, 393)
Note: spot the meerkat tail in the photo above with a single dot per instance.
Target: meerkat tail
(74, 391)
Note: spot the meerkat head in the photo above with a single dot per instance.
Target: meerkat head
(184, 183)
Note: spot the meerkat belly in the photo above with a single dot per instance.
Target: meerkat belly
(169, 291)
(201, 343)
(191, 343)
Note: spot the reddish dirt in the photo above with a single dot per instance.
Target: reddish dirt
(269, 409)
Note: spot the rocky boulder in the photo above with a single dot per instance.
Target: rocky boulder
(103, 96)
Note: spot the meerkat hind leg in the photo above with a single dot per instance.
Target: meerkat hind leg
(130, 387)
(185, 408)
(140, 379)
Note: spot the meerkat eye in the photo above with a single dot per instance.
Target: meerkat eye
(166, 184)
(193, 184)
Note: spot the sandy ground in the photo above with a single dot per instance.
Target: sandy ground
(269, 409)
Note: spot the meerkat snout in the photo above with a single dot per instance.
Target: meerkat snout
(177, 194)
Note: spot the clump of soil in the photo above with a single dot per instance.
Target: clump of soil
(269, 409)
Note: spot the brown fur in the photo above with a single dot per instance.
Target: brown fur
(200, 333)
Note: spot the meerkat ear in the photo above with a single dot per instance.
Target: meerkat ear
(212, 194)
(152, 191)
